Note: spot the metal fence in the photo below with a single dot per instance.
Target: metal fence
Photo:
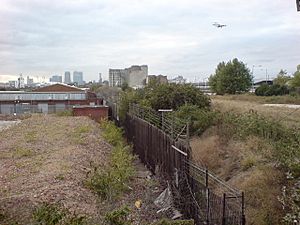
(162, 143)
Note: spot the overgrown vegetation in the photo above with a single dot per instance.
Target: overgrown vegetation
(109, 182)
(53, 214)
(163, 96)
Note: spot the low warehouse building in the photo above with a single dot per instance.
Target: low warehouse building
(50, 99)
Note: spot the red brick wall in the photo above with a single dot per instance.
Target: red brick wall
(96, 113)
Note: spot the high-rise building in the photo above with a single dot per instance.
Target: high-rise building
(56, 78)
(29, 81)
(100, 78)
(134, 76)
(78, 78)
(67, 79)
(21, 82)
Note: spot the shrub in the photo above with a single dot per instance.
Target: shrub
(198, 118)
(271, 90)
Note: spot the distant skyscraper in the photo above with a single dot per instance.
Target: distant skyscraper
(21, 83)
(67, 77)
(78, 78)
(100, 78)
(29, 81)
(56, 78)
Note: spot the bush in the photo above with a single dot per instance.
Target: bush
(163, 96)
(271, 90)
(198, 118)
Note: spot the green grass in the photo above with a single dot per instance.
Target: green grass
(110, 181)
(53, 214)
(80, 134)
(30, 136)
(21, 152)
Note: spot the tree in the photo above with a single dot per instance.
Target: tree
(282, 78)
(172, 96)
(295, 82)
(231, 78)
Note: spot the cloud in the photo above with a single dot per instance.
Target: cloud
(171, 36)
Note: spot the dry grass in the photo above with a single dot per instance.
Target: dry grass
(246, 165)
(41, 161)
(287, 116)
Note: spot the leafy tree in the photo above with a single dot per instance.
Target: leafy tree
(295, 82)
(282, 78)
(172, 96)
(231, 78)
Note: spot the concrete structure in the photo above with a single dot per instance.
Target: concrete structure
(49, 99)
(13, 84)
(21, 83)
(78, 78)
(97, 112)
(56, 78)
(160, 79)
(134, 76)
(67, 78)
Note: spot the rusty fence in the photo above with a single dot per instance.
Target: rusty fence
(162, 143)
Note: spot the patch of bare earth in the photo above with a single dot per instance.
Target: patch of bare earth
(47, 159)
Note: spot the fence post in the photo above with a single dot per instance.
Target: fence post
(207, 206)
(224, 210)
(243, 209)
(206, 178)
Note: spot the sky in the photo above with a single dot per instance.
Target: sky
(41, 38)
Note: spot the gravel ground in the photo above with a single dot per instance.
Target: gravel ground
(48, 158)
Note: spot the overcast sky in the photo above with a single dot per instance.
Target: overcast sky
(173, 37)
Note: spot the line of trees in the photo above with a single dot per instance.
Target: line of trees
(234, 77)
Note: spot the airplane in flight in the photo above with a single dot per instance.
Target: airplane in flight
(219, 25)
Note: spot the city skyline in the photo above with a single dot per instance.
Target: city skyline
(172, 37)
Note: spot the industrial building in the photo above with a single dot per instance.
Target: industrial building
(49, 99)
(134, 76)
